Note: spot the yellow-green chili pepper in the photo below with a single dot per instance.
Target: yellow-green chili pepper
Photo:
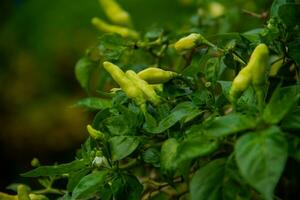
(4, 196)
(190, 41)
(156, 75)
(147, 89)
(129, 88)
(240, 83)
(94, 133)
(38, 197)
(115, 12)
(187, 42)
(23, 193)
(254, 72)
(108, 28)
(158, 87)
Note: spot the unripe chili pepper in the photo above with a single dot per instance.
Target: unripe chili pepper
(259, 62)
(254, 72)
(158, 87)
(115, 12)
(4, 196)
(94, 133)
(156, 75)
(37, 197)
(187, 42)
(147, 89)
(191, 41)
(108, 28)
(129, 88)
(240, 83)
(23, 193)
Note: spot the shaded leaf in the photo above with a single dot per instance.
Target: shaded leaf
(83, 71)
(206, 184)
(181, 111)
(93, 103)
(56, 169)
(281, 102)
(122, 146)
(261, 158)
(229, 124)
(89, 185)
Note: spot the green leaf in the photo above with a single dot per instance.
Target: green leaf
(294, 50)
(281, 102)
(168, 155)
(207, 182)
(122, 146)
(289, 14)
(56, 169)
(292, 120)
(75, 177)
(181, 111)
(294, 147)
(194, 147)
(111, 46)
(275, 6)
(89, 185)
(229, 124)
(152, 156)
(83, 72)
(93, 103)
(126, 187)
(234, 187)
(261, 157)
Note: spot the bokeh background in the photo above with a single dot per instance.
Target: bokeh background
(40, 42)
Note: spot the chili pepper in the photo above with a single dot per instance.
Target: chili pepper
(187, 42)
(129, 88)
(37, 197)
(115, 12)
(158, 87)
(191, 41)
(23, 193)
(240, 83)
(94, 133)
(254, 72)
(4, 196)
(156, 75)
(147, 89)
(108, 28)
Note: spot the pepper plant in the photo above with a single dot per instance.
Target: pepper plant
(183, 115)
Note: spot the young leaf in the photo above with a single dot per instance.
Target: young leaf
(89, 185)
(261, 158)
(56, 169)
(229, 124)
(122, 146)
(93, 103)
(281, 102)
(207, 182)
(83, 71)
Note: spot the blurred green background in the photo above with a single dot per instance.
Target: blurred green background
(40, 42)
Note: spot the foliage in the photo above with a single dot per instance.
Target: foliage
(194, 144)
